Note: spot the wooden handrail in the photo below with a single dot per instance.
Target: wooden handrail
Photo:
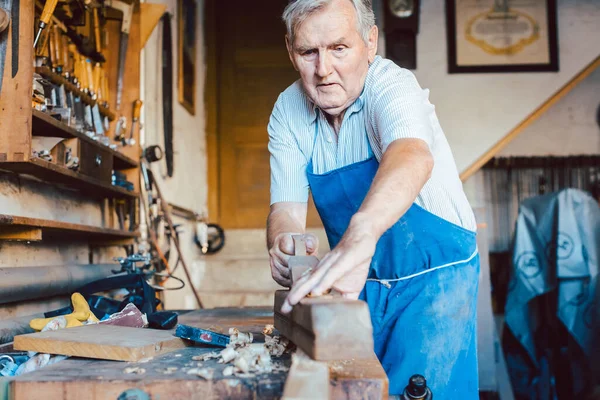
(584, 73)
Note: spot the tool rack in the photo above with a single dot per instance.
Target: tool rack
(19, 123)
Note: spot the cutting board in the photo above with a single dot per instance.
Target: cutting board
(104, 342)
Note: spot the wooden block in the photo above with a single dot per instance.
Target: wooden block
(307, 379)
(104, 342)
(327, 328)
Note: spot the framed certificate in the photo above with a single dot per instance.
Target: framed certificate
(501, 35)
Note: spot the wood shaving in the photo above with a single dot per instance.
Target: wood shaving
(276, 345)
(268, 329)
(207, 356)
(205, 373)
(134, 370)
(169, 370)
(228, 371)
(228, 354)
(237, 338)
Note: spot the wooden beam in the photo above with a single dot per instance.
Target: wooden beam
(327, 328)
(20, 233)
(307, 379)
(535, 115)
(150, 15)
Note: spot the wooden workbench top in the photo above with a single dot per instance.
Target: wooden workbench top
(165, 377)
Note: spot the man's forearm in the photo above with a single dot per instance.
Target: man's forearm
(285, 217)
(404, 169)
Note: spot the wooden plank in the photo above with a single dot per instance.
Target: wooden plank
(150, 16)
(535, 115)
(106, 342)
(82, 378)
(307, 379)
(46, 126)
(20, 233)
(51, 226)
(54, 173)
(327, 328)
(15, 99)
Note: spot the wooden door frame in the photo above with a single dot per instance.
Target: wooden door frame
(211, 102)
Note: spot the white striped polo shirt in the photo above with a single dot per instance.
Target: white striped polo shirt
(392, 105)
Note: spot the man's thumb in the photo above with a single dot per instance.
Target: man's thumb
(312, 244)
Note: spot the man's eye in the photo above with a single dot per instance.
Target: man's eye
(308, 52)
(340, 48)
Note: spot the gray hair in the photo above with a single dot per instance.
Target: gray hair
(297, 11)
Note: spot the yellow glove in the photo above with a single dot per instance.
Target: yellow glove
(81, 313)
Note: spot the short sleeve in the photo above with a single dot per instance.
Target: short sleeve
(401, 108)
(288, 163)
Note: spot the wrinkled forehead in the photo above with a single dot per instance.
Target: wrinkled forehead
(327, 25)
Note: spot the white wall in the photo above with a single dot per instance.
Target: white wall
(188, 186)
(477, 110)
(568, 128)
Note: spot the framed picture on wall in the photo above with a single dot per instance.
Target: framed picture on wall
(501, 35)
(186, 26)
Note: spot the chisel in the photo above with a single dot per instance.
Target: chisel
(49, 8)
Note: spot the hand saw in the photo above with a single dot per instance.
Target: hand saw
(5, 16)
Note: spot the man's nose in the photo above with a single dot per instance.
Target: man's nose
(323, 64)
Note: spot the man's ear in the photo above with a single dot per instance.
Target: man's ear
(288, 45)
(372, 44)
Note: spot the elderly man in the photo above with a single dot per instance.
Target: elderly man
(360, 133)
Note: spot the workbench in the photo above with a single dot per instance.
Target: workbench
(165, 376)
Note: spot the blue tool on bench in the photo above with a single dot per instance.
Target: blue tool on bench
(200, 335)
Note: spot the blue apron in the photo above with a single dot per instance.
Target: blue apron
(421, 288)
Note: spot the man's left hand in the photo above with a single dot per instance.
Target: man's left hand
(344, 269)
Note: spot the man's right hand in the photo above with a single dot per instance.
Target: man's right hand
(282, 250)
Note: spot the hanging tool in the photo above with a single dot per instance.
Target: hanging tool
(49, 8)
(137, 108)
(5, 7)
(120, 129)
(127, 10)
(167, 87)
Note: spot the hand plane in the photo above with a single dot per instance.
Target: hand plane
(327, 327)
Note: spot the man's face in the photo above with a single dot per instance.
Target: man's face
(332, 57)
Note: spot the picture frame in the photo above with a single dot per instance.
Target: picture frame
(186, 71)
(502, 36)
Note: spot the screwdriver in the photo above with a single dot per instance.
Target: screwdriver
(49, 8)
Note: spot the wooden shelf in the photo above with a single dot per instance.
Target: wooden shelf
(46, 126)
(32, 229)
(50, 172)
(60, 80)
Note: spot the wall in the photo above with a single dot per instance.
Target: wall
(568, 128)
(188, 186)
(477, 110)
